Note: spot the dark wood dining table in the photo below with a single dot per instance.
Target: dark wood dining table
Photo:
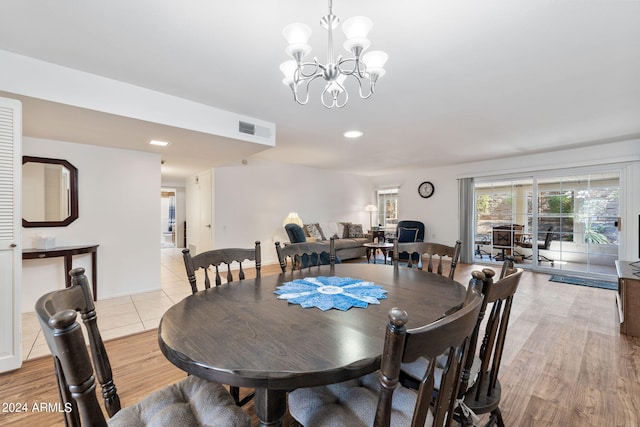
(241, 334)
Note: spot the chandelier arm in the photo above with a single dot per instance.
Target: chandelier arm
(371, 86)
(359, 68)
(334, 94)
(306, 82)
(317, 67)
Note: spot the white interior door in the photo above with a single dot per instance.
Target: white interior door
(10, 234)
(205, 196)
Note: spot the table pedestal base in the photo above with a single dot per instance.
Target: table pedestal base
(270, 406)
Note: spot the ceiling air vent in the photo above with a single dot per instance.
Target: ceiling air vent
(251, 129)
(248, 128)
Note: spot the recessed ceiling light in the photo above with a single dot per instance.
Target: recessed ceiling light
(160, 143)
(352, 134)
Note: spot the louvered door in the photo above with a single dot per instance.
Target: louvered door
(10, 234)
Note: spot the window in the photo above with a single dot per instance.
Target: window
(388, 207)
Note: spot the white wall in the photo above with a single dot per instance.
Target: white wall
(252, 200)
(440, 212)
(119, 209)
(180, 215)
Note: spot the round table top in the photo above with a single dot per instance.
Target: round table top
(241, 334)
(377, 245)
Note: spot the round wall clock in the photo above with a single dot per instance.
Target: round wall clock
(426, 189)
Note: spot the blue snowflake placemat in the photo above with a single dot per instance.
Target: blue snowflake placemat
(331, 292)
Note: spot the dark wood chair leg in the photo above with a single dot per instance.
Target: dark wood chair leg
(498, 416)
(246, 399)
(235, 393)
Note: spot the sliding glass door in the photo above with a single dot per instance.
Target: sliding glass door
(563, 221)
(584, 211)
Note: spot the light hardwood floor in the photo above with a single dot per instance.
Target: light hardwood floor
(565, 363)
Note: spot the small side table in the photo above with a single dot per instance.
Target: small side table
(67, 252)
(377, 234)
(373, 247)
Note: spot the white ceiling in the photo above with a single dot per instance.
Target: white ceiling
(466, 80)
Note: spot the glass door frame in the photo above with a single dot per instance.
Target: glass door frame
(532, 215)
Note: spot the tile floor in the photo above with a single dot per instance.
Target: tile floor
(122, 316)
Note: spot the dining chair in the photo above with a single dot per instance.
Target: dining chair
(306, 254)
(481, 393)
(427, 251)
(189, 402)
(410, 373)
(216, 258)
(378, 399)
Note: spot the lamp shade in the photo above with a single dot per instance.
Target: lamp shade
(288, 69)
(375, 61)
(292, 218)
(357, 27)
(356, 30)
(297, 35)
(371, 208)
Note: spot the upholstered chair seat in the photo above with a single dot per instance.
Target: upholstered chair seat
(190, 402)
(350, 404)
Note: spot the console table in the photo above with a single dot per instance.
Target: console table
(68, 252)
(628, 297)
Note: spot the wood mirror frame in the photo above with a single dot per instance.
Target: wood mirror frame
(73, 193)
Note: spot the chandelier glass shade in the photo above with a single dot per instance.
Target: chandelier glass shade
(364, 69)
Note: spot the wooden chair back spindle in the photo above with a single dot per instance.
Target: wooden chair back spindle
(431, 253)
(297, 253)
(217, 257)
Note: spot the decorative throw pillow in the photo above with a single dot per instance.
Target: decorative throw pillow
(295, 233)
(314, 230)
(407, 234)
(343, 229)
(355, 231)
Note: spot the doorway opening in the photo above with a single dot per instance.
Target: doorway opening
(168, 218)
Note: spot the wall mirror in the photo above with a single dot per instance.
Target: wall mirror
(49, 192)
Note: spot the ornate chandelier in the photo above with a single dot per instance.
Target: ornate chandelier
(365, 69)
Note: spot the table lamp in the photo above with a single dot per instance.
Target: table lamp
(371, 209)
(292, 218)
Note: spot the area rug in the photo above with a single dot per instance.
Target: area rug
(584, 282)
